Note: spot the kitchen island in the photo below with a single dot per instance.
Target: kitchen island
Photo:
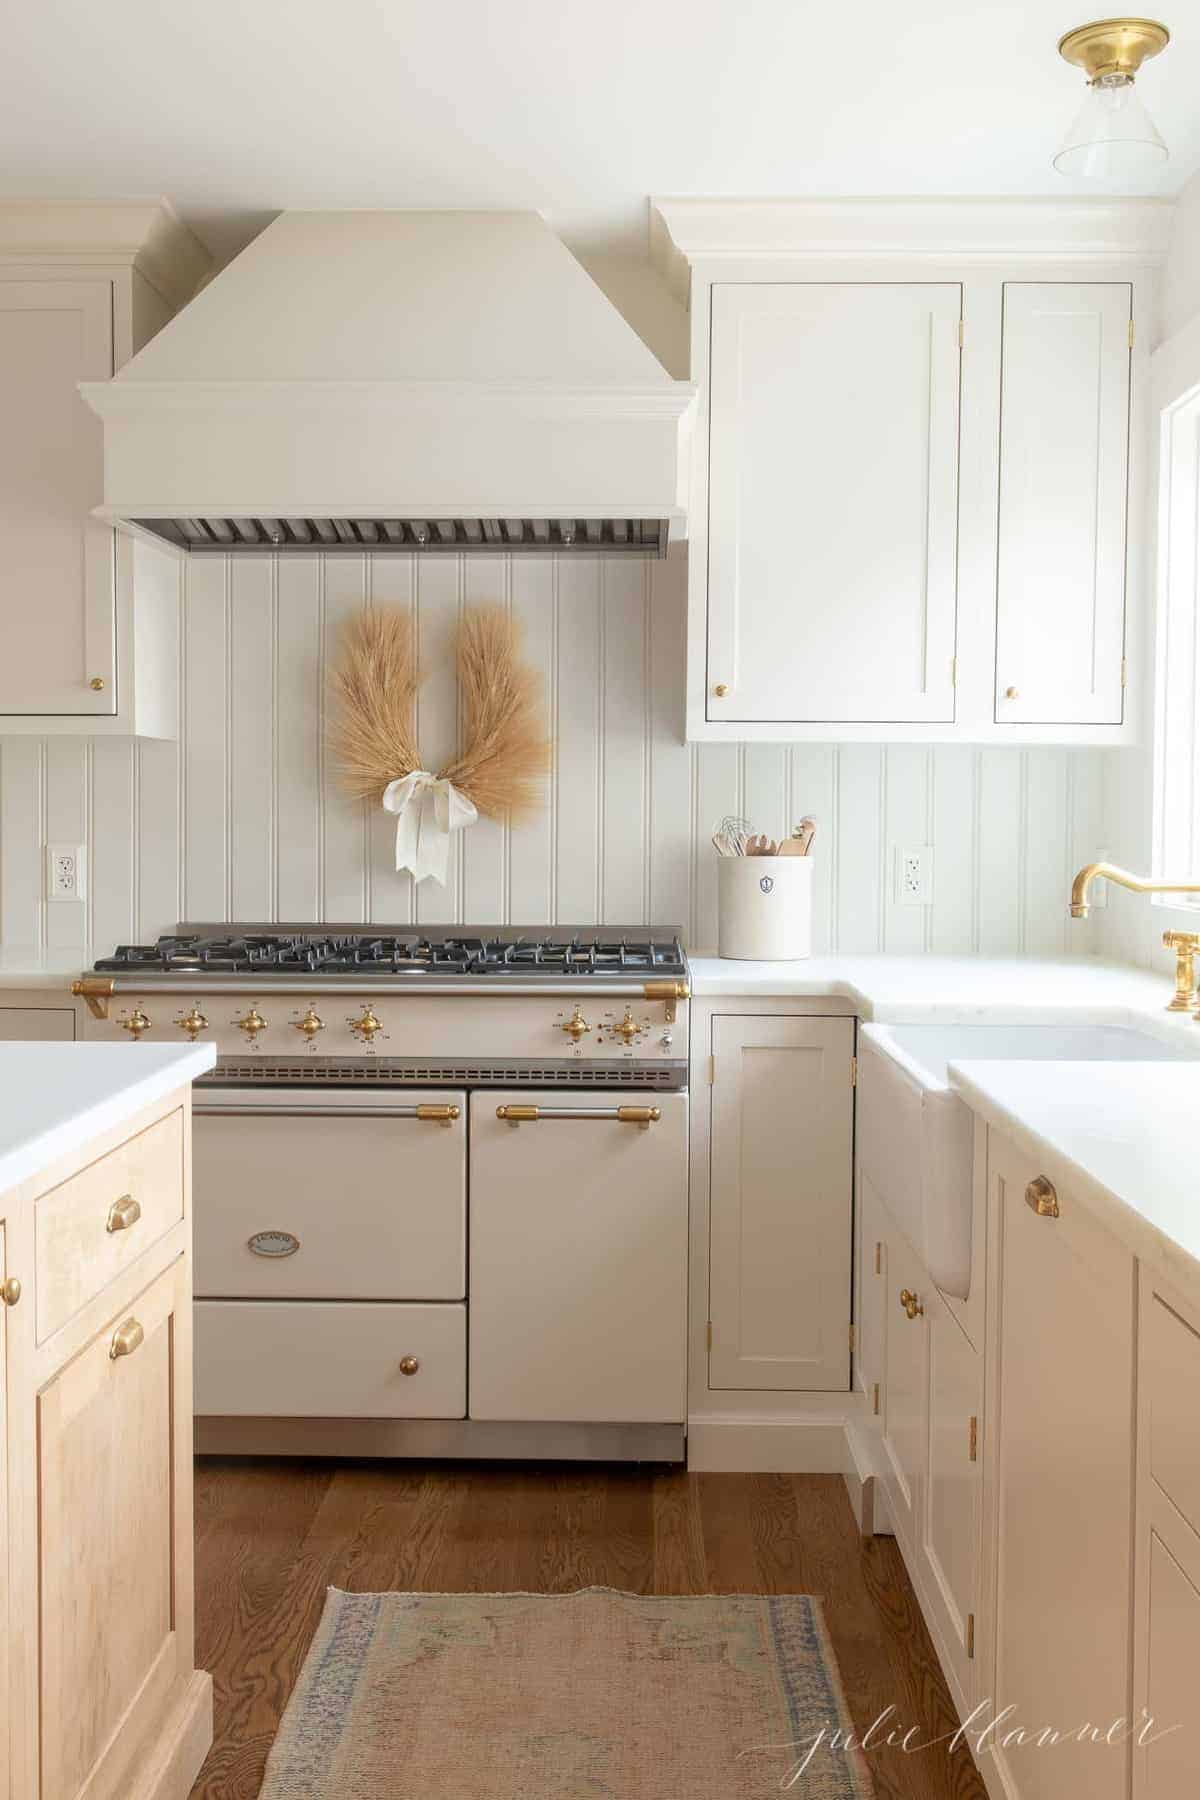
(98, 1689)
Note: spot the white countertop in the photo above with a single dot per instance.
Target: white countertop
(1120, 1136)
(55, 1097)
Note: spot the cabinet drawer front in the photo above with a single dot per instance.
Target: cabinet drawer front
(93, 1226)
(1171, 1388)
(106, 1473)
(329, 1359)
(375, 1205)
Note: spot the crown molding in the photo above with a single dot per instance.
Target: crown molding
(147, 235)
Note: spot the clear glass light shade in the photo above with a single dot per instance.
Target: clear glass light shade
(1113, 134)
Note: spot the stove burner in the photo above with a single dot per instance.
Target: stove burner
(360, 953)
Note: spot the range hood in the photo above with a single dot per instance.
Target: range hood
(397, 380)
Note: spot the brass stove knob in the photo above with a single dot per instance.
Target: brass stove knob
(628, 1027)
(252, 1023)
(310, 1024)
(576, 1026)
(134, 1023)
(193, 1022)
(366, 1026)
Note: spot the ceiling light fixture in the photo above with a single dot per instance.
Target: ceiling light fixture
(1113, 134)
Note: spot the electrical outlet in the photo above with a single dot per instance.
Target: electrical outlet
(914, 876)
(65, 877)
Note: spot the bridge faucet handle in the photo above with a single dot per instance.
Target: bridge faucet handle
(1185, 944)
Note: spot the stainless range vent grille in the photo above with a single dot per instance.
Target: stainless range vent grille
(273, 537)
(407, 1071)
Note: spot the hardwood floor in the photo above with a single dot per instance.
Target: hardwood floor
(272, 1536)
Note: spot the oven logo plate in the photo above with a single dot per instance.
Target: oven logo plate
(273, 1243)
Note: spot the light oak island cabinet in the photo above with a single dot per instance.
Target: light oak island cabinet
(101, 1698)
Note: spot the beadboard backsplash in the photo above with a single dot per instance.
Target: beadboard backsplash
(243, 819)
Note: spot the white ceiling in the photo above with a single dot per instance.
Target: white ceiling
(236, 108)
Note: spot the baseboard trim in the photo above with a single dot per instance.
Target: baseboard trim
(795, 1444)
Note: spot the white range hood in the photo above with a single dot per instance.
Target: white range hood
(440, 380)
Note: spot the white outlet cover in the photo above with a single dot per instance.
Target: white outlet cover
(914, 875)
(66, 872)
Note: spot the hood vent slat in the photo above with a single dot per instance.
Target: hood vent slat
(636, 537)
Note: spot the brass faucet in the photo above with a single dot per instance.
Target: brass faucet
(1137, 884)
(1185, 945)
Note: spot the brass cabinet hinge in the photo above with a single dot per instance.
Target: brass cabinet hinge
(954, 671)
(1132, 334)
(854, 1071)
(712, 1070)
(970, 1636)
(962, 333)
(875, 1398)
(879, 1259)
(973, 1439)
(708, 1333)
(1124, 671)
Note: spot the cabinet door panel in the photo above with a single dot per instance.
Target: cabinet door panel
(1167, 1765)
(833, 501)
(951, 1504)
(56, 585)
(780, 1224)
(872, 1292)
(1064, 458)
(906, 1390)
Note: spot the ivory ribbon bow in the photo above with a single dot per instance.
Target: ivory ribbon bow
(427, 808)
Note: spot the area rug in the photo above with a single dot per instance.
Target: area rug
(566, 1697)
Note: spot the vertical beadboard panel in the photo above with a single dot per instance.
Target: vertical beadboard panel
(624, 776)
(860, 849)
(344, 821)
(1045, 880)
(156, 848)
(765, 799)
(112, 901)
(813, 791)
(669, 822)
(252, 846)
(67, 822)
(485, 845)
(999, 880)
(439, 607)
(205, 751)
(297, 738)
(579, 722)
(718, 790)
(954, 924)
(1088, 774)
(907, 826)
(531, 859)
(22, 797)
(391, 583)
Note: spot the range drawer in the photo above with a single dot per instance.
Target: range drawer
(348, 1200)
(94, 1225)
(330, 1360)
(1171, 1399)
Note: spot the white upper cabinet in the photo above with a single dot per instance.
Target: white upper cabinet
(833, 502)
(916, 508)
(1064, 468)
(88, 619)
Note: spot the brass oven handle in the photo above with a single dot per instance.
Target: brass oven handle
(1041, 1198)
(123, 1213)
(645, 1116)
(437, 1112)
(126, 1339)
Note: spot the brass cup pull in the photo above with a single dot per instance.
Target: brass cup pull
(1041, 1198)
(439, 1114)
(126, 1339)
(10, 1291)
(123, 1213)
(911, 1303)
(409, 1365)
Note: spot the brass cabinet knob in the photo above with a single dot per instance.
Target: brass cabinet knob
(721, 689)
(252, 1023)
(123, 1214)
(97, 684)
(409, 1365)
(911, 1303)
(126, 1339)
(366, 1025)
(1011, 693)
(310, 1024)
(10, 1291)
(193, 1022)
(135, 1023)
(1041, 1198)
(576, 1026)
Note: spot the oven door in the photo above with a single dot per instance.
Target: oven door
(329, 1196)
(578, 1257)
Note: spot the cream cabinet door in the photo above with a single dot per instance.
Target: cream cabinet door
(871, 1295)
(1167, 1758)
(833, 502)
(780, 1203)
(1064, 467)
(114, 1544)
(905, 1387)
(57, 595)
(1062, 1468)
(951, 1500)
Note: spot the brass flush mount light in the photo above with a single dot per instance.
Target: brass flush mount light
(1113, 134)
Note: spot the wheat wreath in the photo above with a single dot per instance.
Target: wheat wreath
(505, 752)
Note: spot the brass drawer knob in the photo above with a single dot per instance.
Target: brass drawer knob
(911, 1303)
(1041, 1198)
(721, 689)
(123, 1214)
(1011, 693)
(126, 1339)
(97, 684)
(409, 1365)
(10, 1291)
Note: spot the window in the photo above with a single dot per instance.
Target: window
(1177, 711)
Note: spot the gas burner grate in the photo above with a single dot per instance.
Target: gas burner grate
(389, 954)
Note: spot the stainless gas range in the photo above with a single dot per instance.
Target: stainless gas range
(440, 1190)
